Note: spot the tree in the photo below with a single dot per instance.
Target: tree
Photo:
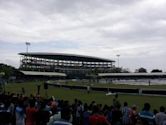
(126, 70)
(9, 71)
(141, 70)
(119, 70)
(156, 70)
(116, 70)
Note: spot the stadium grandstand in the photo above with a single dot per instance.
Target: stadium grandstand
(70, 65)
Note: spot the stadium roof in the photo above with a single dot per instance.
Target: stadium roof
(63, 56)
(36, 73)
(131, 74)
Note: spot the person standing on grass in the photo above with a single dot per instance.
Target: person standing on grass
(97, 118)
(116, 115)
(161, 116)
(20, 114)
(79, 112)
(31, 112)
(116, 101)
(126, 111)
(134, 115)
(88, 89)
(146, 116)
(86, 115)
(66, 116)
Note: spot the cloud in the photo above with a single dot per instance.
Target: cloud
(131, 28)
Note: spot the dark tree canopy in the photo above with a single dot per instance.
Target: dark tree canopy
(9, 71)
(141, 70)
(156, 70)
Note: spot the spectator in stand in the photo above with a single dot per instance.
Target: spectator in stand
(146, 116)
(161, 116)
(31, 113)
(126, 111)
(96, 118)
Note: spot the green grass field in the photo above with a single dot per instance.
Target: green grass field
(118, 85)
(99, 97)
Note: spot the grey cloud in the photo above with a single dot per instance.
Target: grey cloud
(53, 6)
(128, 27)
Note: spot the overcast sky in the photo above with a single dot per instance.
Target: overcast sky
(135, 29)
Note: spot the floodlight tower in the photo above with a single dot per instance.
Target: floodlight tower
(26, 58)
(118, 56)
(27, 44)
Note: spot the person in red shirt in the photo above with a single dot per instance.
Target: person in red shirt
(31, 112)
(97, 119)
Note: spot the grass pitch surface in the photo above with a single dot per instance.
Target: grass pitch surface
(99, 97)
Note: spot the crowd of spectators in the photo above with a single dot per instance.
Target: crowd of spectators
(16, 109)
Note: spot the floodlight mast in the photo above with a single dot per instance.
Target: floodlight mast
(118, 55)
(27, 44)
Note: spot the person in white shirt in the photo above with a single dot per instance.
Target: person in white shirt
(161, 116)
